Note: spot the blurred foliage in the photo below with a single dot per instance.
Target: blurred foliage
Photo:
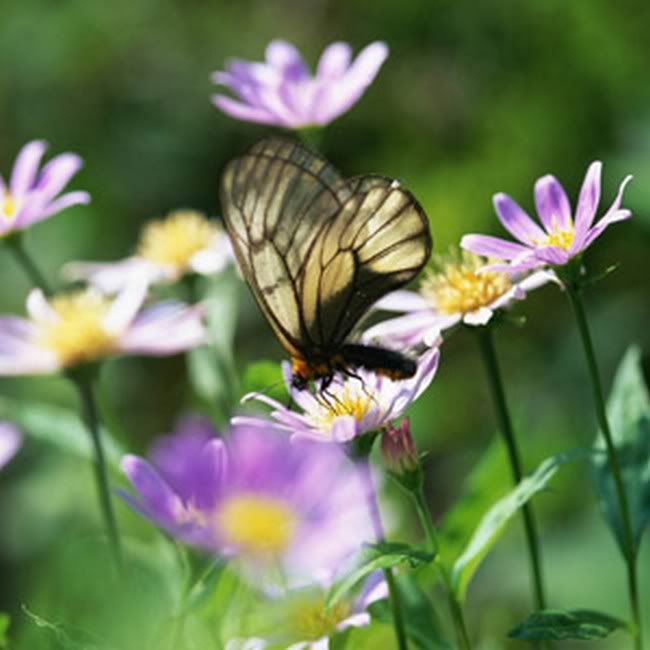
(476, 97)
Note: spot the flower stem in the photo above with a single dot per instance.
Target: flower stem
(462, 636)
(86, 392)
(17, 247)
(495, 381)
(375, 518)
(629, 551)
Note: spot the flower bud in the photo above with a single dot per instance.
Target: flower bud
(398, 449)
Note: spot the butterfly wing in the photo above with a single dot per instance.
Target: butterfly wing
(379, 241)
(277, 199)
(318, 250)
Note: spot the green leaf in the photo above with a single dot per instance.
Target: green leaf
(486, 483)
(494, 521)
(203, 590)
(66, 637)
(558, 625)
(59, 427)
(628, 411)
(384, 555)
(422, 625)
(4, 630)
(265, 377)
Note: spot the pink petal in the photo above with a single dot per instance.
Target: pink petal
(287, 59)
(245, 112)
(156, 496)
(25, 168)
(344, 429)
(57, 173)
(481, 316)
(552, 204)
(588, 200)
(165, 330)
(339, 96)
(403, 301)
(39, 309)
(516, 221)
(36, 211)
(334, 61)
(492, 247)
(126, 305)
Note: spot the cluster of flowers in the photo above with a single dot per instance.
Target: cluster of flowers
(267, 491)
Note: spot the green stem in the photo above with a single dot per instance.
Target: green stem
(505, 424)
(16, 245)
(84, 386)
(375, 518)
(629, 551)
(462, 636)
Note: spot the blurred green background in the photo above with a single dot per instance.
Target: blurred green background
(476, 97)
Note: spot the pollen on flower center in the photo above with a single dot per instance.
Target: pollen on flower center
(175, 240)
(310, 619)
(77, 334)
(459, 288)
(256, 524)
(560, 238)
(347, 403)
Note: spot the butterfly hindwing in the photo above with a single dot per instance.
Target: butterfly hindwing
(318, 250)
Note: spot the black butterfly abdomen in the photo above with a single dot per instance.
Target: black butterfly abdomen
(378, 360)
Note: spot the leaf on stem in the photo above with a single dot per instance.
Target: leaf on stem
(558, 625)
(494, 521)
(486, 483)
(628, 412)
(374, 557)
(60, 427)
(422, 625)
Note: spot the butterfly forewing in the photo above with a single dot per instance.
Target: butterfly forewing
(318, 250)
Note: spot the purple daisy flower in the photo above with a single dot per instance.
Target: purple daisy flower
(183, 242)
(274, 504)
(282, 92)
(10, 441)
(351, 407)
(31, 196)
(562, 237)
(85, 326)
(459, 290)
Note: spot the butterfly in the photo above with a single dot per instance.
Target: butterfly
(317, 250)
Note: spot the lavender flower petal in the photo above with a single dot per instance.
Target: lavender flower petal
(588, 201)
(552, 204)
(25, 168)
(488, 246)
(516, 221)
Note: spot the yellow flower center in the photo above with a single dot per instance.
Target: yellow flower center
(560, 238)
(8, 207)
(310, 619)
(459, 289)
(78, 334)
(175, 240)
(348, 402)
(257, 524)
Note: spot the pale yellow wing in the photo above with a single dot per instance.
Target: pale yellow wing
(318, 250)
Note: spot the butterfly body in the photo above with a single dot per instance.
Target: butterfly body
(348, 358)
(317, 251)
